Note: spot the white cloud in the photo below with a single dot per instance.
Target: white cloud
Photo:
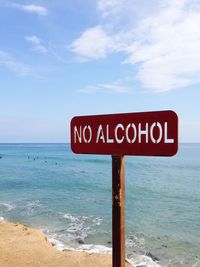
(109, 6)
(162, 42)
(94, 43)
(116, 8)
(167, 49)
(12, 64)
(116, 87)
(39, 10)
(37, 44)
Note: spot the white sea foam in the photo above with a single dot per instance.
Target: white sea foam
(70, 217)
(135, 242)
(6, 207)
(94, 249)
(1, 218)
(89, 248)
(80, 219)
(79, 227)
(143, 261)
(97, 221)
(56, 243)
(32, 206)
(33, 203)
(137, 260)
(196, 264)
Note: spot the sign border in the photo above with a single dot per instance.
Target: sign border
(126, 114)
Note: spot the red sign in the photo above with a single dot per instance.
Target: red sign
(142, 134)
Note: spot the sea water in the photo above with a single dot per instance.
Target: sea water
(68, 196)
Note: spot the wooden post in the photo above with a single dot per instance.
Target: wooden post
(118, 211)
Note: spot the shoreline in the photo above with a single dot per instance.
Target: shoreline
(23, 246)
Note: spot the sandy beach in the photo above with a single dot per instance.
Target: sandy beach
(23, 246)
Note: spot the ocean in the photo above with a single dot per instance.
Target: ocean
(68, 197)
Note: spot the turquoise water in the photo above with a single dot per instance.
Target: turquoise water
(68, 196)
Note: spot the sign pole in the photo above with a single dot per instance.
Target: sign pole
(118, 211)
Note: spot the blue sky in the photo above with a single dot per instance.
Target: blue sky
(62, 58)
